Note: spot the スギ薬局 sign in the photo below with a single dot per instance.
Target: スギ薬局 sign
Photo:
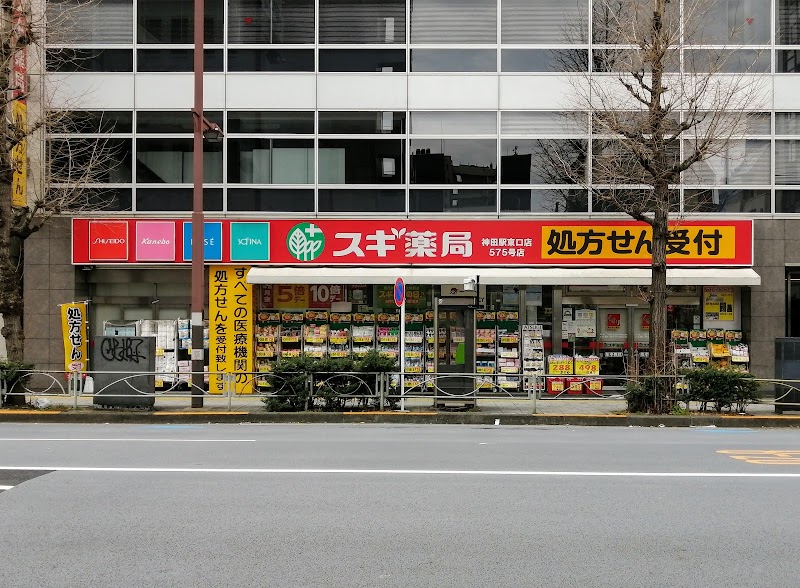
(402, 242)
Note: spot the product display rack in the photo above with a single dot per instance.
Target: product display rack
(414, 350)
(291, 334)
(315, 334)
(532, 356)
(167, 341)
(267, 342)
(363, 334)
(508, 356)
(699, 348)
(388, 334)
(486, 345)
(339, 336)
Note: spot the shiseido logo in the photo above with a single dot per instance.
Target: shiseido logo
(149, 241)
(102, 241)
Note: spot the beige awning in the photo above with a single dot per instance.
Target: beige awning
(491, 276)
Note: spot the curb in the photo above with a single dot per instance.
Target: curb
(427, 418)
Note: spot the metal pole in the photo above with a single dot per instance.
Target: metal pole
(403, 354)
(198, 269)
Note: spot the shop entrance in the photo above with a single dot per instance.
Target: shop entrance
(455, 354)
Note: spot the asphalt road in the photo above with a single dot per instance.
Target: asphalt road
(397, 506)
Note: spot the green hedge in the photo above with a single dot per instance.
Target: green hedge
(13, 372)
(721, 388)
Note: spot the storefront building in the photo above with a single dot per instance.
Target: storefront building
(375, 140)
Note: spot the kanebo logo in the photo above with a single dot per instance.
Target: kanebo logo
(149, 241)
(101, 241)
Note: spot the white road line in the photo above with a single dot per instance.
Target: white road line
(6, 488)
(132, 440)
(407, 472)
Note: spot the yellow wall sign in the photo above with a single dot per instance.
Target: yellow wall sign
(19, 157)
(230, 311)
(615, 243)
(718, 303)
(73, 329)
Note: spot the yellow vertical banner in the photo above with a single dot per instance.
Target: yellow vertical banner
(19, 94)
(19, 157)
(230, 311)
(73, 329)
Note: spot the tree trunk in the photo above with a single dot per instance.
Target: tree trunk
(658, 362)
(11, 299)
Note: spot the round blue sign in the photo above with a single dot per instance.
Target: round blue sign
(399, 292)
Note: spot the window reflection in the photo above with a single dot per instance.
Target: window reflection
(787, 201)
(453, 60)
(275, 122)
(744, 162)
(383, 60)
(454, 123)
(176, 60)
(730, 22)
(543, 161)
(361, 161)
(175, 199)
(720, 200)
(169, 161)
(365, 200)
(453, 200)
(362, 21)
(180, 121)
(544, 60)
(361, 123)
(270, 60)
(544, 21)
(270, 200)
(552, 200)
(172, 21)
(273, 21)
(453, 161)
(271, 161)
(454, 21)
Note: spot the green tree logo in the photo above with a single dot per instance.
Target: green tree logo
(305, 241)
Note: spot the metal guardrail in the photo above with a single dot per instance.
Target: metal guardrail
(357, 389)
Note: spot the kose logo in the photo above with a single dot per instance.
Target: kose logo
(101, 241)
(305, 241)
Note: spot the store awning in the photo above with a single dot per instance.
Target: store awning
(500, 276)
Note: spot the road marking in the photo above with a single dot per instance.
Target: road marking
(407, 472)
(764, 456)
(132, 440)
(5, 488)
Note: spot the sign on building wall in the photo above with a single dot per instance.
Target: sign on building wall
(403, 242)
(73, 330)
(19, 106)
(718, 303)
(230, 312)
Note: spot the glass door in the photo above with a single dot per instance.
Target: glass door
(613, 330)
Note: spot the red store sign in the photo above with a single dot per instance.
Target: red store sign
(401, 242)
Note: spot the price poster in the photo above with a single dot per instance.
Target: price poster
(718, 303)
(587, 366)
(300, 296)
(559, 366)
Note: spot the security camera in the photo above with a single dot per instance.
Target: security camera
(471, 284)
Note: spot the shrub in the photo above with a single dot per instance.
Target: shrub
(289, 385)
(14, 372)
(722, 388)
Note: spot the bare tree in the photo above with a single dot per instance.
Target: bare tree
(658, 108)
(69, 177)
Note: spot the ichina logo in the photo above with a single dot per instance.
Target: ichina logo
(305, 241)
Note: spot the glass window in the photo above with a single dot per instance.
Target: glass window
(453, 161)
(787, 123)
(552, 200)
(621, 60)
(544, 123)
(273, 21)
(793, 303)
(543, 161)
(787, 28)
(175, 199)
(271, 161)
(454, 123)
(89, 60)
(453, 200)
(544, 60)
(90, 23)
(270, 60)
(362, 123)
(454, 21)
(170, 121)
(787, 61)
(726, 61)
(614, 162)
(453, 60)
(787, 162)
(270, 200)
(169, 161)
(744, 162)
(172, 21)
(361, 161)
(731, 22)
(715, 200)
(735, 124)
(97, 121)
(385, 60)
(176, 59)
(544, 21)
(362, 21)
(89, 161)
(109, 199)
(271, 122)
(787, 201)
(366, 200)
(620, 200)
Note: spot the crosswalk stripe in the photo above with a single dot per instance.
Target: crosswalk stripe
(6, 487)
